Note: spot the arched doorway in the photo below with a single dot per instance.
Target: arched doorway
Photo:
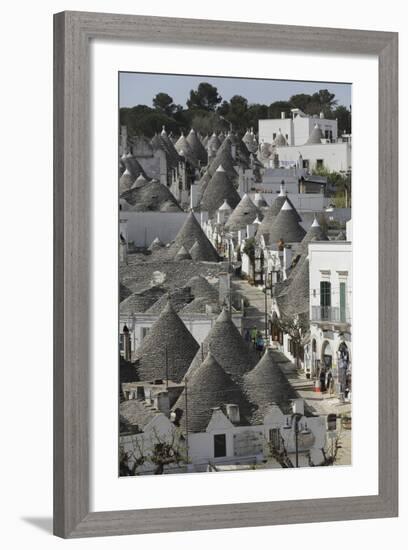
(327, 355)
(344, 371)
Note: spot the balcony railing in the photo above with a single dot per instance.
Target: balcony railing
(329, 314)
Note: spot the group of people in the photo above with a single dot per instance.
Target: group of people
(255, 337)
(326, 380)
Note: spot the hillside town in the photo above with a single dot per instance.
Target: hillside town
(235, 315)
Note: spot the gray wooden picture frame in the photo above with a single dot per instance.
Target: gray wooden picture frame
(72, 34)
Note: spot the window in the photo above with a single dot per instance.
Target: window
(342, 302)
(325, 300)
(220, 445)
(145, 332)
(274, 135)
(305, 163)
(319, 163)
(325, 293)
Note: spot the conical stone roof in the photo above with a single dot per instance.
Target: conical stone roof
(280, 140)
(210, 387)
(151, 196)
(190, 233)
(286, 226)
(139, 181)
(196, 146)
(316, 136)
(244, 214)
(139, 302)
(250, 141)
(133, 166)
(182, 254)
(213, 144)
(272, 212)
(197, 252)
(156, 244)
(170, 206)
(167, 333)
(227, 346)
(183, 148)
(164, 143)
(178, 298)
(224, 158)
(201, 288)
(266, 384)
(298, 293)
(219, 188)
(203, 182)
(125, 181)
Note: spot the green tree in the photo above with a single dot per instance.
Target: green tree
(325, 100)
(277, 107)
(207, 123)
(300, 101)
(343, 116)
(255, 112)
(164, 103)
(238, 107)
(206, 97)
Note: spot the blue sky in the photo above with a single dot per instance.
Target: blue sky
(140, 88)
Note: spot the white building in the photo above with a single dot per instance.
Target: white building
(311, 138)
(225, 443)
(296, 129)
(335, 157)
(331, 284)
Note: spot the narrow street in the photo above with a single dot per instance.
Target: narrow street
(255, 311)
(317, 403)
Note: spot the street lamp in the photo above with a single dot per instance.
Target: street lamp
(295, 417)
(265, 290)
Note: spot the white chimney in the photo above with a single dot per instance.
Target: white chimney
(162, 402)
(283, 115)
(233, 413)
(321, 114)
(298, 406)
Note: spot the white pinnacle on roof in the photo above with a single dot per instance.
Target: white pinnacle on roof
(126, 173)
(282, 192)
(286, 206)
(225, 206)
(256, 221)
(220, 168)
(163, 132)
(315, 223)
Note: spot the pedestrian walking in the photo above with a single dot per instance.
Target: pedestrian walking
(253, 336)
(322, 379)
(260, 344)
